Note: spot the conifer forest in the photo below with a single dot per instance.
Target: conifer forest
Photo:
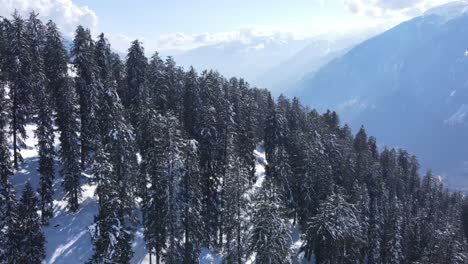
(197, 163)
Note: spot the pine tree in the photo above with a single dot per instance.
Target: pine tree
(235, 185)
(175, 170)
(136, 93)
(191, 101)
(270, 237)
(115, 168)
(62, 88)
(396, 241)
(211, 135)
(235, 207)
(87, 86)
(156, 93)
(111, 235)
(191, 204)
(335, 225)
(19, 72)
(31, 246)
(7, 196)
(464, 218)
(172, 88)
(44, 119)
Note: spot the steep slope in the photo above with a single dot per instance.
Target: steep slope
(68, 238)
(282, 77)
(413, 77)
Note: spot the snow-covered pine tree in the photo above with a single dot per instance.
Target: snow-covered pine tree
(234, 211)
(87, 87)
(153, 171)
(106, 90)
(191, 204)
(242, 106)
(270, 237)
(172, 86)
(175, 168)
(333, 227)
(111, 236)
(7, 196)
(157, 95)
(297, 153)
(396, 242)
(44, 116)
(191, 101)
(31, 246)
(374, 240)
(115, 172)
(18, 69)
(464, 217)
(235, 186)
(62, 88)
(211, 138)
(279, 166)
(136, 72)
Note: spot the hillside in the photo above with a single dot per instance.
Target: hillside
(411, 78)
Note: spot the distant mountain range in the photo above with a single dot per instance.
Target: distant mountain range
(409, 86)
(276, 62)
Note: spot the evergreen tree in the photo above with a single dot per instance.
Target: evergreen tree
(175, 169)
(19, 72)
(464, 218)
(44, 118)
(191, 101)
(7, 196)
(157, 95)
(136, 93)
(111, 235)
(235, 209)
(31, 246)
(212, 136)
(61, 87)
(396, 241)
(332, 229)
(270, 237)
(87, 87)
(191, 204)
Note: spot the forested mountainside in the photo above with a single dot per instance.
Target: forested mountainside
(170, 153)
(411, 78)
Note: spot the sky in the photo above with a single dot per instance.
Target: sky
(186, 24)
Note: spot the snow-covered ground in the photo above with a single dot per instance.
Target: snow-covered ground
(68, 236)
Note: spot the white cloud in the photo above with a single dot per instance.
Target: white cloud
(65, 13)
(392, 9)
(179, 42)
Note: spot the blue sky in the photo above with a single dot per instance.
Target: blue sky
(191, 17)
(186, 24)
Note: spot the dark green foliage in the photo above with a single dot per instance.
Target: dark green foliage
(87, 87)
(136, 93)
(270, 237)
(18, 69)
(44, 116)
(61, 88)
(30, 247)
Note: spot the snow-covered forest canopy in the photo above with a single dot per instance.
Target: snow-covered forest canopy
(202, 168)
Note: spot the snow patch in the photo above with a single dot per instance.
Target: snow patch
(458, 117)
(449, 11)
(209, 257)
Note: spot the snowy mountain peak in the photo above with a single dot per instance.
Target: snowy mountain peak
(450, 10)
